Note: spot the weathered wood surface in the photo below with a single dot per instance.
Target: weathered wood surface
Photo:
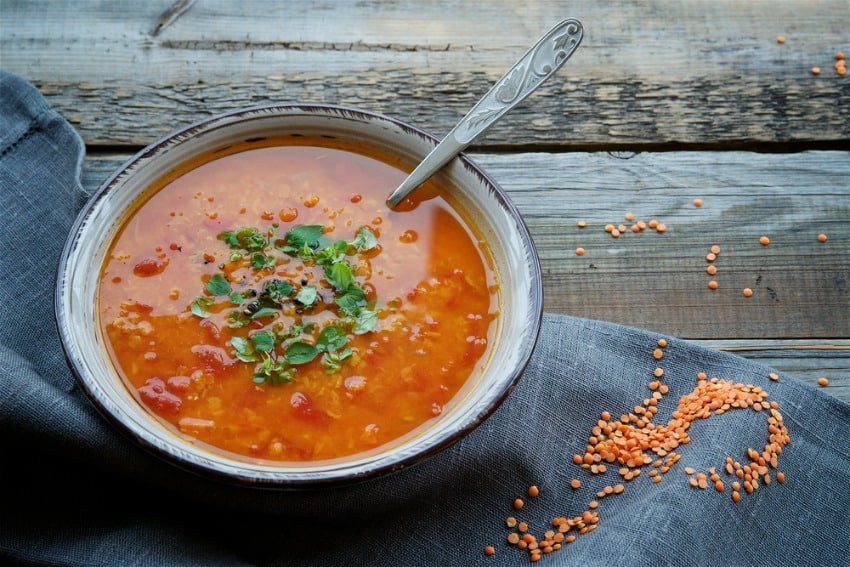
(706, 77)
(798, 319)
(650, 73)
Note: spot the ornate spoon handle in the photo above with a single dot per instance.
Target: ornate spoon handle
(539, 63)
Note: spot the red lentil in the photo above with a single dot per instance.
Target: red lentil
(710, 257)
(780, 39)
(747, 292)
(711, 270)
(712, 285)
(582, 224)
(821, 237)
(533, 491)
(657, 354)
(697, 202)
(489, 550)
(815, 71)
(823, 381)
(764, 241)
(715, 249)
(518, 504)
(629, 217)
(633, 441)
(773, 376)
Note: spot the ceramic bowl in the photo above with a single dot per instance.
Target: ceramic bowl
(515, 257)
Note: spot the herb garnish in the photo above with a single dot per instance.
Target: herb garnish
(279, 349)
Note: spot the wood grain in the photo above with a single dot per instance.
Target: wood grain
(716, 77)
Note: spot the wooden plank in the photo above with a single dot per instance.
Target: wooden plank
(649, 73)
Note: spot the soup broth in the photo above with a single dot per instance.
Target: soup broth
(266, 303)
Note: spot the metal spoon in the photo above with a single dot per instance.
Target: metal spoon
(538, 64)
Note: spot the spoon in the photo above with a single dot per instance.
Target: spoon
(538, 64)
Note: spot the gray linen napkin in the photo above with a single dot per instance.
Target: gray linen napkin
(75, 492)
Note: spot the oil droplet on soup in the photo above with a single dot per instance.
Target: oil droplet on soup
(266, 303)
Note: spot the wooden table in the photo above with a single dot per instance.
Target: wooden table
(664, 103)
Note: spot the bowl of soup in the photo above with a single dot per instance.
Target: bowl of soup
(239, 299)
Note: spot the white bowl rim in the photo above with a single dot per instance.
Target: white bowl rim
(302, 475)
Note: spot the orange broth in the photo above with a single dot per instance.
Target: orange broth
(429, 280)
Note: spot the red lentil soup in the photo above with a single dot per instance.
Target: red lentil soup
(266, 303)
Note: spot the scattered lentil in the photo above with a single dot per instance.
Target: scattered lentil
(697, 202)
(579, 251)
(582, 224)
(712, 285)
(657, 354)
(629, 216)
(747, 292)
(823, 381)
(715, 249)
(489, 550)
(711, 270)
(510, 521)
(633, 441)
(821, 237)
(816, 71)
(710, 257)
(780, 39)
(764, 241)
(773, 376)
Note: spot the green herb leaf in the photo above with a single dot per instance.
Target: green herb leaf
(305, 235)
(236, 298)
(260, 261)
(218, 285)
(264, 312)
(352, 299)
(300, 353)
(263, 341)
(331, 338)
(340, 275)
(364, 321)
(200, 305)
(307, 296)
(244, 349)
(364, 240)
(277, 290)
(333, 361)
